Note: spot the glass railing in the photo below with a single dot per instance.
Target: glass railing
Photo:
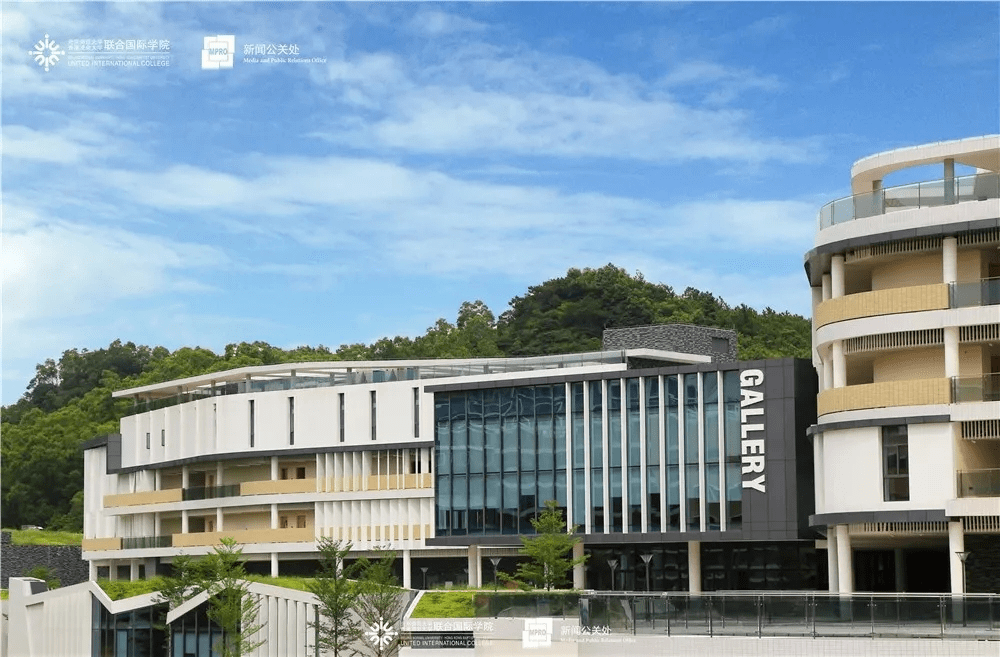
(985, 292)
(210, 492)
(984, 388)
(806, 614)
(976, 187)
(143, 542)
(979, 483)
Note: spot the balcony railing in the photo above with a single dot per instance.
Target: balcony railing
(210, 492)
(985, 292)
(979, 483)
(144, 542)
(976, 187)
(985, 388)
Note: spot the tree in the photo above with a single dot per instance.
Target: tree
(550, 550)
(45, 574)
(380, 605)
(336, 629)
(231, 605)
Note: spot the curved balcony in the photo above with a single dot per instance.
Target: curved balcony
(914, 392)
(916, 298)
(935, 193)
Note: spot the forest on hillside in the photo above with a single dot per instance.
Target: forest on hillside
(69, 400)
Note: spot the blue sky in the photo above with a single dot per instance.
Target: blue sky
(444, 153)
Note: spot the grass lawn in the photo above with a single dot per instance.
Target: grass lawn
(44, 537)
(118, 590)
(446, 604)
(3, 594)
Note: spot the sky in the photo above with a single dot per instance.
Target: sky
(412, 156)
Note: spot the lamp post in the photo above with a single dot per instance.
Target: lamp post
(423, 569)
(496, 562)
(646, 559)
(612, 564)
(963, 556)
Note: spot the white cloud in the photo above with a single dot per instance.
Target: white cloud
(54, 268)
(480, 98)
(435, 23)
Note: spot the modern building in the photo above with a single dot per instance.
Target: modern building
(906, 343)
(684, 469)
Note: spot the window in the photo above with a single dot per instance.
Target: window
(147, 440)
(416, 412)
(300, 473)
(284, 473)
(895, 464)
(373, 413)
(284, 522)
(163, 437)
(291, 420)
(251, 423)
(340, 397)
(300, 522)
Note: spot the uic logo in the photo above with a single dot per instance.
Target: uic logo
(381, 634)
(46, 52)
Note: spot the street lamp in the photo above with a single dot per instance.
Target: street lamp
(496, 562)
(645, 559)
(612, 563)
(963, 556)
(423, 569)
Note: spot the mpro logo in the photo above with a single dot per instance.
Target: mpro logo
(218, 52)
(537, 633)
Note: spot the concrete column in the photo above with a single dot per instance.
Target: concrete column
(185, 477)
(837, 276)
(949, 260)
(133, 569)
(274, 564)
(897, 558)
(92, 571)
(879, 199)
(157, 479)
(956, 544)
(949, 180)
(827, 382)
(694, 566)
(274, 468)
(407, 570)
(184, 521)
(274, 516)
(474, 566)
(845, 561)
(826, 290)
(219, 474)
(157, 524)
(579, 574)
(951, 357)
(218, 519)
(818, 478)
(839, 365)
(832, 562)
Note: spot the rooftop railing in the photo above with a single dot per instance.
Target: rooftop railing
(383, 374)
(979, 483)
(975, 187)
